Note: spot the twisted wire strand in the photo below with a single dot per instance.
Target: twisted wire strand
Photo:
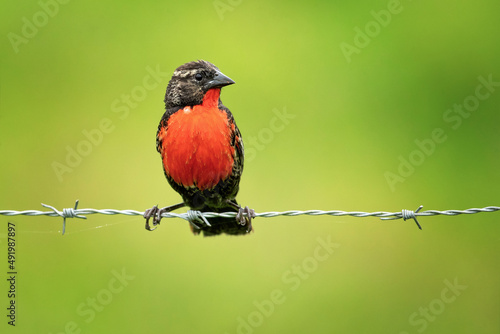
(77, 213)
(201, 217)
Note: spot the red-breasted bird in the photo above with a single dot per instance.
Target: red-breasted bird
(201, 149)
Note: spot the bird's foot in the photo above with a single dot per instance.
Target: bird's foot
(156, 214)
(244, 217)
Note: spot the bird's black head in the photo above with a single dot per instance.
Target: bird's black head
(191, 81)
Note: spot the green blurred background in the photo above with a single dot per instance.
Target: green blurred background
(66, 67)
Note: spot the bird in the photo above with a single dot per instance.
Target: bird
(201, 150)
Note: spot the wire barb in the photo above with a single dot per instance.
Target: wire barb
(407, 214)
(193, 215)
(66, 213)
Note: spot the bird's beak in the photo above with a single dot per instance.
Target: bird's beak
(220, 80)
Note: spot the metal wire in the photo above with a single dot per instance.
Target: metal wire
(192, 216)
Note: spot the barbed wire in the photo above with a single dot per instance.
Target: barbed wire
(192, 215)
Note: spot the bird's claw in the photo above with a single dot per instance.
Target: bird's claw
(156, 214)
(244, 217)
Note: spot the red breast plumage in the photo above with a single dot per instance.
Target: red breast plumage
(196, 149)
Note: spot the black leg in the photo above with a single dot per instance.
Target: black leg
(156, 214)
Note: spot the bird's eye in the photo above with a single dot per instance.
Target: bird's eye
(198, 76)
